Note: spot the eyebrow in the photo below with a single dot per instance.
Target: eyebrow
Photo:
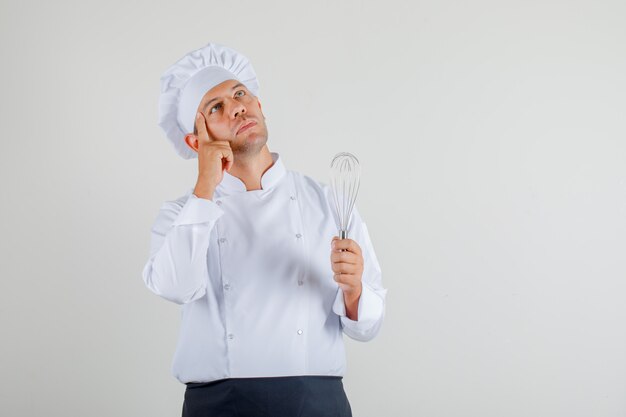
(216, 98)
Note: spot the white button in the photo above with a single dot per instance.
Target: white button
(300, 283)
(222, 239)
(298, 235)
(300, 331)
(231, 336)
(218, 202)
(227, 287)
(292, 197)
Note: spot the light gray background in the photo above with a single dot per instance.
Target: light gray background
(492, 140)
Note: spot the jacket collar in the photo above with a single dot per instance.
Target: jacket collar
(231, 184)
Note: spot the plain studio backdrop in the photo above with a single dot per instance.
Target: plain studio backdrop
(492, 139)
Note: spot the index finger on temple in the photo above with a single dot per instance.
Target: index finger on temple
(201, 128)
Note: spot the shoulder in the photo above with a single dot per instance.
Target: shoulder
(310, 186)
(315, 197)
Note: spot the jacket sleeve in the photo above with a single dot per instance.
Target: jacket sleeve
(371, 308)
(177, 267)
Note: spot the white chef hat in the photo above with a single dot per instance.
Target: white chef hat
(185, 83)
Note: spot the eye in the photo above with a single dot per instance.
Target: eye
(215, 108)
(237, 94)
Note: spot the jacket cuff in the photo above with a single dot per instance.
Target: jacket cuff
(370, 309)
(198, 210)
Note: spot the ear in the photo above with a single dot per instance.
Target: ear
(191, 141)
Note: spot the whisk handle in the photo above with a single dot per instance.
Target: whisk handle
(343, 234)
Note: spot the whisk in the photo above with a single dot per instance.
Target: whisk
(345, 174)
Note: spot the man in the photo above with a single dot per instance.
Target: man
(250, 254)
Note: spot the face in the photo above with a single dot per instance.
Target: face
(234, 114)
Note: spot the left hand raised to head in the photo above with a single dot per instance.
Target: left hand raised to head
(346, 260)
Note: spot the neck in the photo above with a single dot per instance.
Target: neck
(250, 168)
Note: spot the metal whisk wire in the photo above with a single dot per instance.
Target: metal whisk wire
(345, 176)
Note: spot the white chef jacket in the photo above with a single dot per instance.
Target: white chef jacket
(252, 273)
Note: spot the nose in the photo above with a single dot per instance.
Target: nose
(237, 109)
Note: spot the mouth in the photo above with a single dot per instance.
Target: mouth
(246, 126)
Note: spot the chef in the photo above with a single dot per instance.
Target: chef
(251, 255)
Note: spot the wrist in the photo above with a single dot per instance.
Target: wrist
(353, 294)
(203, 190)
(351, 302)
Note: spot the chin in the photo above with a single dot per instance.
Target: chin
(250, 144)
(255, 137)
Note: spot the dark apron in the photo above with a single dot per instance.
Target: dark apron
(292, 396)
